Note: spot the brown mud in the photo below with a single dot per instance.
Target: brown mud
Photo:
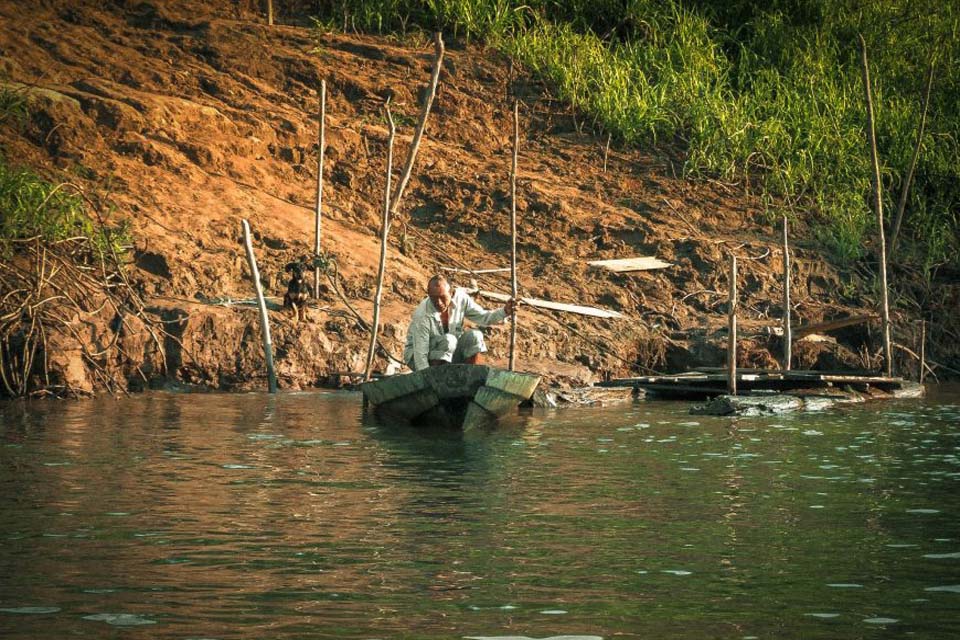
(187, 117)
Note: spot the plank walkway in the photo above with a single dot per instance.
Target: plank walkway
(700, 384)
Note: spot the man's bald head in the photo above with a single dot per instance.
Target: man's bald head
(438, 290)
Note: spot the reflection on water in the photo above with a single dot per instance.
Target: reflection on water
(250, 516)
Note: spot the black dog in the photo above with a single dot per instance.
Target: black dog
(297, 290)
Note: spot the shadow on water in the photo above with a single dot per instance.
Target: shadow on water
(437, 454)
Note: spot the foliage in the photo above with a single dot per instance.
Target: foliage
(768, 94)
(31, 207)
(13, 105)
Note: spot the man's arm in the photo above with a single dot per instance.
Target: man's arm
(480, 316)
(420, 327)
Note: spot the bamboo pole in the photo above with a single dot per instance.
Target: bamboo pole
(787, 327)
(262, 305)
(316, 243)
(732, 339)
(913, 164)
(878, 206)
(513, 235)
(384, 232)
(606, 151)
(270, 12)
(422, 124)
(923, 350)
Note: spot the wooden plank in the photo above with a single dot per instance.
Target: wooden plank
(472, 271)
(387, 389)
(831, 325)
(519, 384)
(556, 306)
(639, 263)
(497, 402)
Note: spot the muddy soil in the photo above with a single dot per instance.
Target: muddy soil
(188, 117)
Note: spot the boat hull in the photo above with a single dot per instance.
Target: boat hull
(455, 395)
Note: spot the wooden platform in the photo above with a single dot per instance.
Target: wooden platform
(696, 384)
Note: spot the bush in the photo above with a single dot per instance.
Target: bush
(31, 207)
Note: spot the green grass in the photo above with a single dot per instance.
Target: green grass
(765, 94)
(32, 207)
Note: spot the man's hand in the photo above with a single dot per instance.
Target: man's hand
(511, 306)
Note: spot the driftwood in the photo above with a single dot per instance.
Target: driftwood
(384, 231)
(262, 305)
(878, 207)
(513, 234)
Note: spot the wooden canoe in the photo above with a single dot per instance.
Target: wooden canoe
(454, 395)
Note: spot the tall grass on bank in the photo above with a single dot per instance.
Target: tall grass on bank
(768, 95)
(34, 208)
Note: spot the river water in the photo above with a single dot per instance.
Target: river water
(250, 516)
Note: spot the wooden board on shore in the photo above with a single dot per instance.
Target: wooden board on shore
(832, 325)
(556, 306)
(639, 263)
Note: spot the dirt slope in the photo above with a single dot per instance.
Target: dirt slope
(188, 117)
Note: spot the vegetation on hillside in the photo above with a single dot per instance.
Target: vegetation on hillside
(33, 208)
(768, 95)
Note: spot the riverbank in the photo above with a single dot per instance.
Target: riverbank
(179, 120)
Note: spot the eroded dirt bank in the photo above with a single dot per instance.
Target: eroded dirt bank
(185, 118)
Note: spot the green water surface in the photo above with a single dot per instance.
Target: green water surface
(250, 516)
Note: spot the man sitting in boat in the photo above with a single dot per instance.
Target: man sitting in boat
(436, 334)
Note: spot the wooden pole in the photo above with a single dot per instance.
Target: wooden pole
(513, 235)
(261, 303)
(606, 151)
(422, 124)
(878, 206)
(732, 339)
(923, 350)
(913, 164)
(787, 327)
(316, 242)
(384, 231)
(270, 12)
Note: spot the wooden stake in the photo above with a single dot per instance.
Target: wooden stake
(913, 164)
(732, 339)
(923, 350)
(787, 328)
(878, 206)
(261, 303)
(384, 231)
(422, 124)
(606, 151)
(270, 12)
(513, 234)
(316, 242)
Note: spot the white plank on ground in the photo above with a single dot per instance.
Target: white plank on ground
(556, 306)
(639, 263)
